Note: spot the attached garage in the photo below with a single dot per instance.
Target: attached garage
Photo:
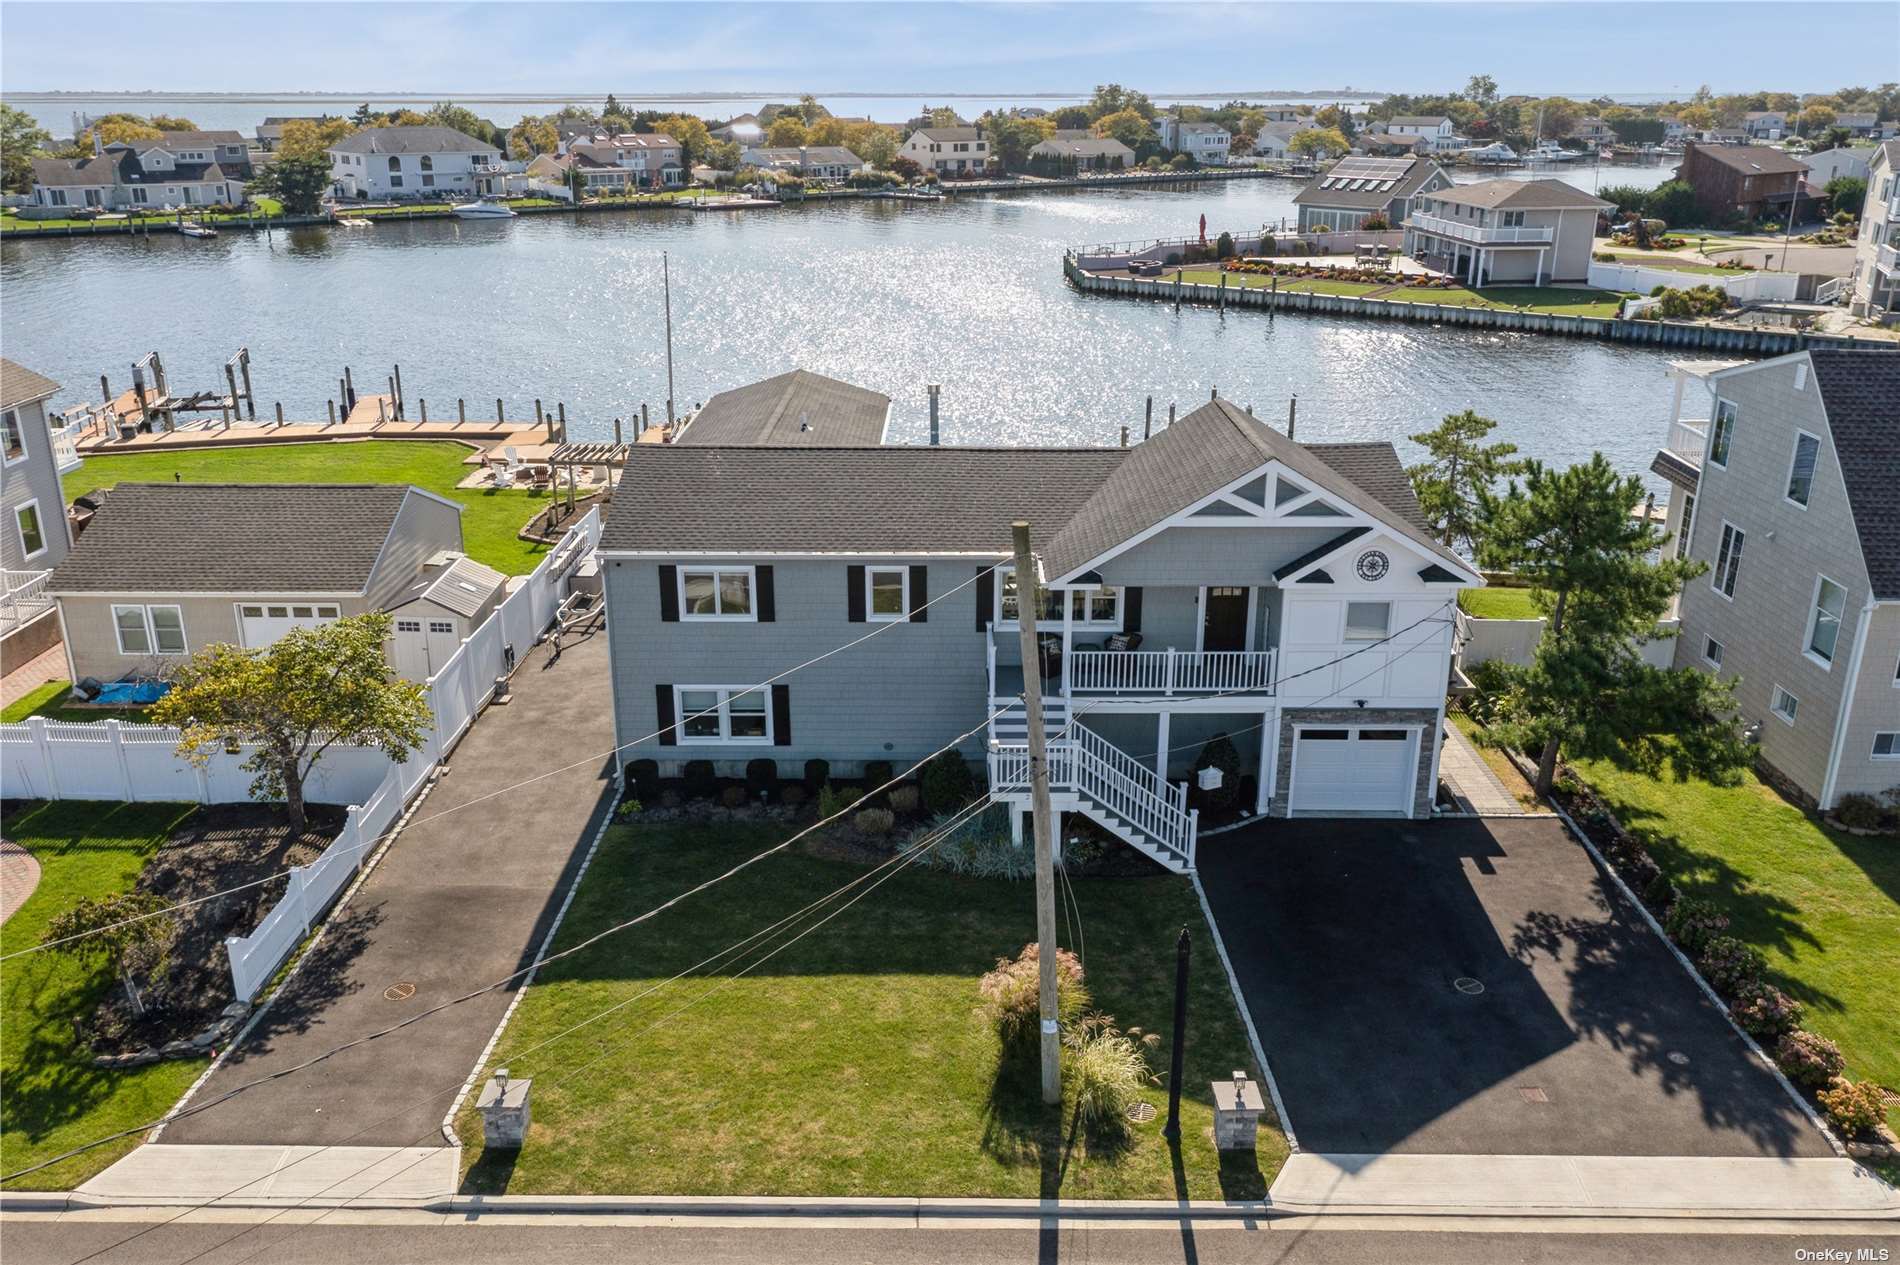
(263, 624)
(1338, 769)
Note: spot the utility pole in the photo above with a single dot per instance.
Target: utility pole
(666, 282)
(1042, 817)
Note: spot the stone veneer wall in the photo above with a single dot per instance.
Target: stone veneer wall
(1359, 718)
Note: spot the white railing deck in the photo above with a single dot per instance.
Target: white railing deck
(24, 600)
(1088, 765)
(1887, 259)
(1687, 438)
(1486, 233)
(1169, 671)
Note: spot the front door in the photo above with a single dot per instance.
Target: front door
(1224, 622)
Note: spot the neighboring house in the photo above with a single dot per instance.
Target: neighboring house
(1764, 125)
(743, 131)
(36, 534)
(1391, 144)
(1674, 129)
(270, 133)
(1506, 230)
(1206, 143)
(177, 169)
(1593, 131)
(645, 160)
(1216, 579)
(791, 410)
(948, 151)
(1083, 154)
(1876, 275)
(1830, 164)
(1276, 138)
(1283, 113)
(410, 162)
(1860, 124)
(1349, 191)
(1727, 136)
(1435, 130)
(165, 569)
(820, 162)
(1752, 182)
(1785, 489)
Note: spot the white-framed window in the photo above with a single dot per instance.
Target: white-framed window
(1784, 705)
(1050, 611)
(717, 593)
(26, 521)
(149, 629)
(1096, 608)
(1887, 745)
(1688, 525)
(1807, 449)
(441, 626)
(409, 625)
(886, 594)
(1728, 560)
(395, 182)
(1824, 621)
(1368, 621)
(1722, 435)
(1712, 652)
(724, 713)
(13, 436)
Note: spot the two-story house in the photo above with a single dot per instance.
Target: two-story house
(424, 161)
(1439, 132)
(1206, 143)
(1765, 125)
(175, 169)
(36, 534)
(1749, 182)
(1593, 131)
(1353, 190)
(1864, 123)
(1218, 578)
(1877, 247)
(1276, 138)
(948, 151)
(1506, 230)
(631, 160)
(1785, 488)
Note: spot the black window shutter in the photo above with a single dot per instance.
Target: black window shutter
(669, 595)
(768, 612)
(1131, 609)
(919, 594)
(854, 594)
(985, 597)
(663, 696)
(781, 715)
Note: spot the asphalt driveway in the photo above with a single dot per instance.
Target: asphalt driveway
(1575, 1032)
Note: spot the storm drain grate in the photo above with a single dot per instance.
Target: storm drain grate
(399, 992)
(1533, 1093)
(1142, 1112)
(1465, 984)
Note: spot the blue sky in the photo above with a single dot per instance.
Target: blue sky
(923, 49)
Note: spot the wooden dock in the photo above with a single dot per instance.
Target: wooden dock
(362, 424)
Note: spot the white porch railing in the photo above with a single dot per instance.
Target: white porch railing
(1489, 234)
(1834, 291)
(1887, 259)
(66, 446)
(1116, 785)
(1687, 438)
(1170, 671)
(25, 599)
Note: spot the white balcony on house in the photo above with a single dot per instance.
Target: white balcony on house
(1486, 234)
(1688, 437)
(66, 446)
(24, 600)
(1168, 672)
(1887, 259)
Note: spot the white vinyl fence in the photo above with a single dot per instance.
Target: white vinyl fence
(1515, 641)
(1743, 287)
(109, 760)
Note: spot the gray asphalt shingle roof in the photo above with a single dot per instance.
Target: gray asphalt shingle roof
(18, 384)
(1861, 392)
(420, 139)
(800, 409)
(1530, 195)
(1374, 192)
(233, 538)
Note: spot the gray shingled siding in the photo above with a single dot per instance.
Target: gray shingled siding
(1876, 710)
(1764, 630)
(896, 697)
(1358, 717)
(34, 478)
(1215, 555)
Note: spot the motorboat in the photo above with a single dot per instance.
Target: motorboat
(197, 230)
(484, 209)
(1550, 152)
(353, 221)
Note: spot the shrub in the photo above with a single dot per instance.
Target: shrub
(698, 780)
(793, 795)
(1692, 923)
(1858, 812)
(1603, 256)
(1731, 967)
(645, 776)
(1807, 1059)
(1220, 753)
(1853, 1107)
(1107, 1070)
(904, 799)
(817, 773)
(947, 782)
(734, 797)
(876, 774)
(1375, 223)
(1765, 1012)
(1181, 162)
(1224, 246)
(833, 800)
(1012, 997)
(875, 821)
(977, 848)
(761, 777)
(1661, 894)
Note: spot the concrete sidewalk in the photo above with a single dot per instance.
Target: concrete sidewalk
(461, 899)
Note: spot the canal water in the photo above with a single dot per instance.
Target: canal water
(968, 293)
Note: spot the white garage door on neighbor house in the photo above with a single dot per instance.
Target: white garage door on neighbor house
(1366, 770)
(263, 624)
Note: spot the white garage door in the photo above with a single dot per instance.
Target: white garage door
(1353, 770)
(263, 625)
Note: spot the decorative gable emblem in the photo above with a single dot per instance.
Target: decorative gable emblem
(1372, 565)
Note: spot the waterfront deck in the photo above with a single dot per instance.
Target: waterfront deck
(481, 437)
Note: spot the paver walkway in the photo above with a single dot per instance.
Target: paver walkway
(1478, 789)
(460, 900)
(23, 678)
(19, 875)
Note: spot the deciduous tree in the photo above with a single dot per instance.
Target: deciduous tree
(531, 138)
(1324, 142)
(130, 932)
(786, 132)
(1460, 467)
(22, 139)
(1130, 127)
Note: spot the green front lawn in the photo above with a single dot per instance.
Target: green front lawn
(49, 700)
(1499, 603)
(854, 1062)
(489, 526)
(51, 1096)
(1824, 906)
(1561, 300)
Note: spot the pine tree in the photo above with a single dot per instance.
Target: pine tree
(1459, 469)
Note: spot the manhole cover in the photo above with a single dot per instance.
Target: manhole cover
(1533, 1093)
(1142, 1112)
(1678, 1058)
(399, 992)
(1465, 984)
